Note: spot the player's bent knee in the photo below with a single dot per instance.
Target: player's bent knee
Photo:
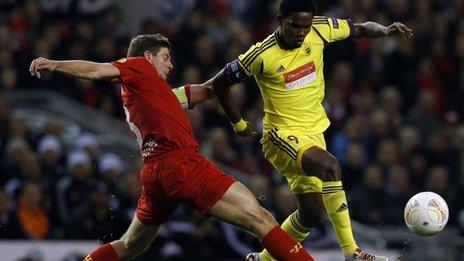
(318, 162)
(331, 170)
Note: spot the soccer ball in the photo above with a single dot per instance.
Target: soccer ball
(426, 213)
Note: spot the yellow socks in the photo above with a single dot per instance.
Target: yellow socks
(335, 203)
(294, 228)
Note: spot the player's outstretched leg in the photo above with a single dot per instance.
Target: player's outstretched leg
(320, 163)
(137, 239)
(310, 214)
(239, 207)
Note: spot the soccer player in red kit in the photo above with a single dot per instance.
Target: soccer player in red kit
(173, 171)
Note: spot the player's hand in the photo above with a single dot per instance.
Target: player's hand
(398, 29)
(41, 64)
(245, 128)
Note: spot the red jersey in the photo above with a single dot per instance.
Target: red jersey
(152, 110)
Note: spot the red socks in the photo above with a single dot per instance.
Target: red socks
(279, 244)
(282, 247)
(103, 253)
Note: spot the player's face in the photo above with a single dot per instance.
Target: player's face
(161, 61)
(295, 28)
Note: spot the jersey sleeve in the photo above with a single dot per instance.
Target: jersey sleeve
(132, 70)
(333, 29)
(182, 93)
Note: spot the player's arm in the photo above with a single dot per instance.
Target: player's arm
(231, 74)
(191, 94)
(375, 30)
(335, 29)
(76, 69)
(200, 93)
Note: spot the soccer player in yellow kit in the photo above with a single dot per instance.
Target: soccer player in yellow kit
(288, 68)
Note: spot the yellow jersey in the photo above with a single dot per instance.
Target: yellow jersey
(292, 81)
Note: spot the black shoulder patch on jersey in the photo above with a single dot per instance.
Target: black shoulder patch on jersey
(248, 60)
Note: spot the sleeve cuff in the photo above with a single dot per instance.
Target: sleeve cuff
(120, 69)
(187, 94)
(351, 25)
(240, 125)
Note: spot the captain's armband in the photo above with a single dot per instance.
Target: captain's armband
(183, 95)
(235, 72)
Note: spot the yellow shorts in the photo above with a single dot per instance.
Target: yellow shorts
(284, 149)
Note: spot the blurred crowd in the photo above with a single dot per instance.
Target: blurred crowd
(395, 106)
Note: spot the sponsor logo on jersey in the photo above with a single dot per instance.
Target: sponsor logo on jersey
(308, 49)
(301, 76)
(281, 69)
(148, 148)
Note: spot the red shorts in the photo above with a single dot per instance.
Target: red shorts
(184, 176)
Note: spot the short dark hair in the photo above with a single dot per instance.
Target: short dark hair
(287, 7)
(150, 42)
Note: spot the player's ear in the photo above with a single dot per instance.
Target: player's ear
(146, 54)
(280, 19)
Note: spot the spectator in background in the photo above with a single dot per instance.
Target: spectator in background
(370, 198)
(354, 165)
(53, 127)
(218, 147)
(284, 201)
(16, 149)
(440, 153)
(18, 128)
(261, 188)
(74, 190)
(129, 188)
(95, 218)
(32, 215)
(399, 192)
(8, 79)
(87, 93)
(459, 205)
(417, 164)
(409, 140)
(438, 181)
(391, 103)
(9, 224)
(429, 81)
(50, 152)
(30, 171)
(196, 118)
(351, 133)
(381, 125)
(88, 143)
(423, 116)
(110, 168)
(387, 153)
(400, 64)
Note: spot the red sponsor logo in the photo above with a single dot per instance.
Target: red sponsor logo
(300, 72)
